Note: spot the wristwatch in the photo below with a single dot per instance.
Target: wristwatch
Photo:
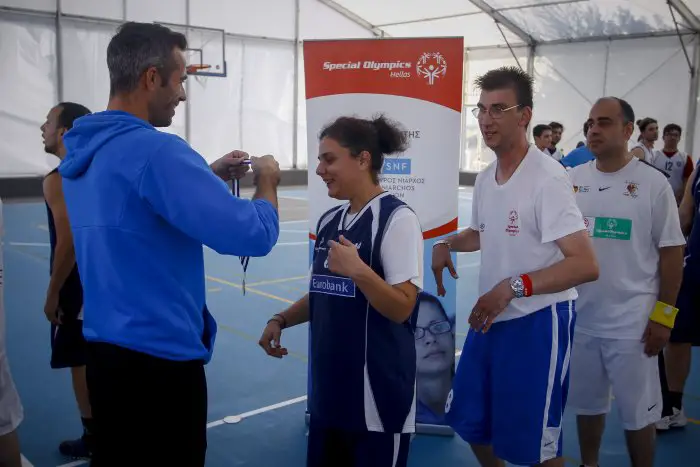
(517, 286)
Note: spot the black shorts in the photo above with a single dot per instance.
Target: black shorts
(68, 346)
(328, 447)
(146, 411)
(687, 327)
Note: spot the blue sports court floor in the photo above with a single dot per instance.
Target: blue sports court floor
(268, 394)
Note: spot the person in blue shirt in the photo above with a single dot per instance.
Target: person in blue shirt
(141, 205)
(366, 273)
(580, 155)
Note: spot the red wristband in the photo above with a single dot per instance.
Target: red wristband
(527, 285)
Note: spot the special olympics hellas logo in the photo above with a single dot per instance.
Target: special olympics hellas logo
(431, 65)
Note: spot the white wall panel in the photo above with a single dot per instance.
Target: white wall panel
(476, 155)
(165, 11)
(654, 77)
(215, 105)
(269, 18)
(27, 93)
(268, 90)
(44, 5)
(317, 21)
(85, 73)
(568, 80)
(112, 9)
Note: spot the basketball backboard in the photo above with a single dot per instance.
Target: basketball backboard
(206, 53)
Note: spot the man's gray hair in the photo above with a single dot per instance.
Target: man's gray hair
(137, 47)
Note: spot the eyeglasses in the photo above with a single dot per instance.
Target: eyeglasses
(494, 112)
(437, 328)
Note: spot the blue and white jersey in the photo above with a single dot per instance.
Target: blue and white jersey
(363, 365)
(692, 249)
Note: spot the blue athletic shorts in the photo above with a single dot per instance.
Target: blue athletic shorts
(330, 447)
(511, 385)
(687, 327)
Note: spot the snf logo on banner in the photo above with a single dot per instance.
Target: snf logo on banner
(430, 66)
(399, 166)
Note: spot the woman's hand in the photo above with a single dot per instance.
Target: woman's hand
(270, 339)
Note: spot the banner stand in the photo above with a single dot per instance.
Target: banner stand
(418, 83)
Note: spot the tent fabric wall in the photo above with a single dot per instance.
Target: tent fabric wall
(27, 92)
(253, 107)
(651, 74)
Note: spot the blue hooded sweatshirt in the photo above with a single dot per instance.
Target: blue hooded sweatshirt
(141, 204)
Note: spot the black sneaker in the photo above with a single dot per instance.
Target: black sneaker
(76, 449)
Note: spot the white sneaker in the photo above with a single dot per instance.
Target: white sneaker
(677, 420)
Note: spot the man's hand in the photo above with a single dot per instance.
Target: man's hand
(343, 258)
(655, 338)
(51, 309)
(270, 340)
(490, 305)
(231, 166)
(441, 260)
(266, 166)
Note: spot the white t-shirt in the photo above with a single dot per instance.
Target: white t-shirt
(402, 257)
(629, 214)
(519, 223)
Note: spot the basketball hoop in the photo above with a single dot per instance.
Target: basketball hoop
(194, 69)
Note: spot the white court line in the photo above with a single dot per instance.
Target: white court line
(27, 244)
(25, 462)
(298, 198)
(73, 464)
(238, 418)
(294, 222)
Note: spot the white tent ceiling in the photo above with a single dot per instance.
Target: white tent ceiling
(56, 50)
(485, 23)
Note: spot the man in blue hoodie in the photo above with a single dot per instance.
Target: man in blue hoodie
(141, 204)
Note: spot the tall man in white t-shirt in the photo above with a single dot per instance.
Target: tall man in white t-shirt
(510, 388)
(625, 317)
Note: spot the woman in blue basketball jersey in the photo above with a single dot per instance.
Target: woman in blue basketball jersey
(366, 274)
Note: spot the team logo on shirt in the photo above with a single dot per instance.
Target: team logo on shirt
(632, 189)
(513, 229)
(581, 189)
(332, 285)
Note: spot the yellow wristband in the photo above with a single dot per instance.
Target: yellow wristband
(664, 314)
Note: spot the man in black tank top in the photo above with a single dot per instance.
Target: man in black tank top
(64, 297)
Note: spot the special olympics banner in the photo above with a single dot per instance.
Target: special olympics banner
(417, 83)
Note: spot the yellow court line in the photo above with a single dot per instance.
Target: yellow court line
(278, 281)
(252, 338)
(248, 289)
(214, 289)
